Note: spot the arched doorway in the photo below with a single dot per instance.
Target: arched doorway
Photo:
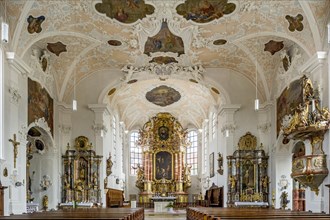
(41, 167)
(298, 190)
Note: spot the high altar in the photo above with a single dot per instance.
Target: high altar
(163, 171)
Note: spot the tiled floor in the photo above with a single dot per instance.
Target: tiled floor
(176, 214)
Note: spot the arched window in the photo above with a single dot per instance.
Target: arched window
(192, 152)
(1, 102)
(214, 125)
(135, 151)
(114, 141)
(206, 144)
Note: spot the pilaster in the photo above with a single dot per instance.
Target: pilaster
(226, 141)
(102, 140)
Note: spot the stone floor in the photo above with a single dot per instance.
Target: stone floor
(180, 214)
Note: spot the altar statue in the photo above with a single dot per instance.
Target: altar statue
(186, 176)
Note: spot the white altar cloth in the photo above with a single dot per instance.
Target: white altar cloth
(160, 202)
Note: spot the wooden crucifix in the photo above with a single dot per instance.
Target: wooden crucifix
(15, 144)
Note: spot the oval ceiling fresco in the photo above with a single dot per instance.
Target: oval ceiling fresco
(163, 96)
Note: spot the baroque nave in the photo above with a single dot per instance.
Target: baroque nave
(176, 109)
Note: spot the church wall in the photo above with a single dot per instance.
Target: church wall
(87, 92)
(15, 117)
(241, 92)
(83, 120)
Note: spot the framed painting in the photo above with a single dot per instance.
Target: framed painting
(211, 159)
(163, 165)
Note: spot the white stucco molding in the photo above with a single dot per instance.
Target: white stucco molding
(99, 110)
(99, 128)
(228, 112)
(65, 128)
(229, 108)
(15, 95)
(18, 64)
(228, 127)
(64, 107)
(315, 62)
(264, 127)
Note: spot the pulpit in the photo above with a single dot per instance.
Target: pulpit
(163, 172)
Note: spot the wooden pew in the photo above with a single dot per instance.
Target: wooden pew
(249, 213)
(86, 213)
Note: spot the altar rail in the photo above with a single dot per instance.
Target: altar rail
(177, 205)
(249, 213)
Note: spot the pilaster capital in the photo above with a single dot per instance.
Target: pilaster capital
(316, 61)
(229, 109)
(99, 128)
(99, 108)
(18, 64)
(230, 127)
(63, 107)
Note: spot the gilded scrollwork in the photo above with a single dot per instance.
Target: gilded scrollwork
(308, 121)
(247, 142)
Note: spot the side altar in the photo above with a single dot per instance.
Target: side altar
(81, 167)
(163, 171)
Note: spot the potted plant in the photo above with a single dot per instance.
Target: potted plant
(170, 206)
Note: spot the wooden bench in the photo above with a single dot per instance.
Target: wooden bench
(207, 213)
(86, 213)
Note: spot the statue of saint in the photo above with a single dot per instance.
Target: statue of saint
(232, 181)
(109, 165)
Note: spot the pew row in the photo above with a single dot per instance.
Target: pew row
(86, 213)
(202, 213)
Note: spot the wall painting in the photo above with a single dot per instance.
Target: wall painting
(40, 104)
(289, 101)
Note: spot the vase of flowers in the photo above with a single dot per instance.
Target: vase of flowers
(170, 206)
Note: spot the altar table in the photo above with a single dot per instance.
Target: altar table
(160, 202)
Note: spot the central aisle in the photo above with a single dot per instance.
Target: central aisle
(180, 214)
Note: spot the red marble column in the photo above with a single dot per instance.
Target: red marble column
(150, 166)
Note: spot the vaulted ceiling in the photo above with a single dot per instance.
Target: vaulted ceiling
(170, 43)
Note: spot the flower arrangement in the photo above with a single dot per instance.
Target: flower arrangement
(169, 205)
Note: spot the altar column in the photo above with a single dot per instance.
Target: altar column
(147, 164)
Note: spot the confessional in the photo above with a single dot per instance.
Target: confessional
(214, 196)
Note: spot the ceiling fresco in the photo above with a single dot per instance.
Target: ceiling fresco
(164, 41)
(127, 12)
(78, 38)
(203, 11)
(163, 96)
